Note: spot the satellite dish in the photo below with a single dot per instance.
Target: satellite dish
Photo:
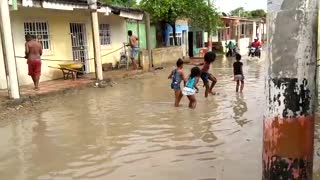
(224, 14)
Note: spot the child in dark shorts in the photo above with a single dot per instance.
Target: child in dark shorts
(238, 73)
(209, 58)
(177, 75)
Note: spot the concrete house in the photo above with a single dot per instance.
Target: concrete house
(242, 30)
(64, 29)
(234, 29)
(182, 30)
(197, 39)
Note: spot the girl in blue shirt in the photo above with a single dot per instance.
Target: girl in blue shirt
(191, 87)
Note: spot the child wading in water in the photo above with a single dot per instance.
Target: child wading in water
(238, 73)
(177, 76)
(209, 58)
(191, 87)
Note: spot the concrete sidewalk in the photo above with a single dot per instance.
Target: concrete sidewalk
(61, 85)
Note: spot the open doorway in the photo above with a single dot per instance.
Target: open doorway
(190, 42)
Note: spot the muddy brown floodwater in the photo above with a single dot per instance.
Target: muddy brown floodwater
(132, 131)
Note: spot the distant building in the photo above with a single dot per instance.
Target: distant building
(241, 30)
(236, 29)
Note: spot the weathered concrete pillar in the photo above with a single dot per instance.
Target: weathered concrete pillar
(210, 32)
(290, 89)
(260, 31)
(234, 30)
(96, 39)
(254, 30)
(148, 35)
(8, 50)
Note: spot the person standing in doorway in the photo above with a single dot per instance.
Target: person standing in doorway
(134, 44)
(33, 52)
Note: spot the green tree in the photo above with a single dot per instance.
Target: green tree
(259, 13)
(203, 16)
(124, 3)
(168, 11)
(165, 11)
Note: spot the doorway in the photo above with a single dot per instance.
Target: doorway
(190, 42)
(79, 44)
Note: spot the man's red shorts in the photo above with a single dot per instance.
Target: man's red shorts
(34, 67)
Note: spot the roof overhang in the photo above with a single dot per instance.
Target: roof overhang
(70, 5)
(129, 13)
(62, 6)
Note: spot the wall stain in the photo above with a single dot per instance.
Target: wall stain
(297, 97)
(279, 168)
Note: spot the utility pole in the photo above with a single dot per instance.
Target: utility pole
(96, 38)
(288, 133)
(148, 34)
(210, 31)
(8, 50)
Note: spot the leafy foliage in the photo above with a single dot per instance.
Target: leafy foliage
(203, 16)
(165, 10)
(124, 3)
(259, 13)
(169, 11)
(197, 11)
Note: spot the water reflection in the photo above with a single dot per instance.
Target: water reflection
(239, 109)
(132, 131)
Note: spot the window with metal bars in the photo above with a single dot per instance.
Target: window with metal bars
(39, 31)
(178, 39)
(199, 39)
(105, 35)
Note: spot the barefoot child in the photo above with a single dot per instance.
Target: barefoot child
(177, 76)
(238, 73)
(209, 58)
(191, 87)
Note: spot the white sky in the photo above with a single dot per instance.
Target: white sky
(228, 5)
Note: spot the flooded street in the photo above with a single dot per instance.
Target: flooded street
(132, 131)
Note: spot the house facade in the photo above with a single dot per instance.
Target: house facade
(138, 28)
(241, 30)
(64, 29)
(182, 30)
(235, 29)
(197, 39)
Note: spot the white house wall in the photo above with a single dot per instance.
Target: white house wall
(59, 28)
(118, 31)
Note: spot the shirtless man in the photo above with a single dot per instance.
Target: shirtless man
(134, 44)
(33, 55)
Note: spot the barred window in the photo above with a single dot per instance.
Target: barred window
(199, 39)
(178, 39)
(40, 31)
(105, 36)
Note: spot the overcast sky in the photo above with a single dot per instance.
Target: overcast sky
(228, 5)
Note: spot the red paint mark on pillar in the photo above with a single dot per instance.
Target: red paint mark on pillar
(288, 148)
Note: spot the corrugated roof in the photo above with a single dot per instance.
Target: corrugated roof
(127, 9)
(100, 3)
(69, 1)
